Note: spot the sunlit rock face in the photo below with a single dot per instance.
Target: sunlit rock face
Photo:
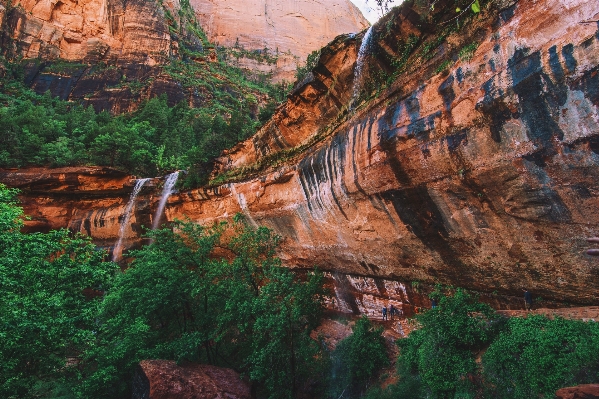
(289, 29)
(83, 30)
(138, 30)
(111, 44)
(483, 174)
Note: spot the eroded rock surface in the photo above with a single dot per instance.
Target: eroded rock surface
(164, 379)
(482, 174)
(138, 32)
(291, 29)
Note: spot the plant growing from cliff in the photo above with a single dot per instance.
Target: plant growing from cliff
(46, 320)
(311, 62)
(467, 52)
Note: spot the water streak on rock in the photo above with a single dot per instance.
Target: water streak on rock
(118, 249)
(362, 53)
(169, 187)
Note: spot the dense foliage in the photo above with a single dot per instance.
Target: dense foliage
(178, 301)
(521, 357)
(357, 360)
(157, 138)
(536, 356)
(72, 328)
(45, 318)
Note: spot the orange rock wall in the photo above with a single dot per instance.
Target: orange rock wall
(138, 30)
(89, 30)
(294, 28)
(484, 176)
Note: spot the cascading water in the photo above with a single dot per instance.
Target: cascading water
(167, 190)
(362, 53)
(118, 248)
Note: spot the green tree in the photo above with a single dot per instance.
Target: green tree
(357, 360)
(440, 354)
(45, 317)
(535, 356)
(201, 295)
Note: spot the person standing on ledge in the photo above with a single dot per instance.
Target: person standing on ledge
(527, 300)
(594, 251)
(384, 313)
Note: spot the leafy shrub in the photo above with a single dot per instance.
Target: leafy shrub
(178, 300)
(311, 62)
(45, 318)
(535, 356)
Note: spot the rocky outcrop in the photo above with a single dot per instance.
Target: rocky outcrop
(476, 167)
(90, 200)
(164, 379)
(113, 54)
(590, 391)
(290, 30)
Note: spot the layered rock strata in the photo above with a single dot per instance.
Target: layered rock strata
(480, 172)
(142, 34)
(483, 176)
(279, 26)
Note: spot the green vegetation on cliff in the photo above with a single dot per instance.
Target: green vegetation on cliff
(42, 130)
(71, 327)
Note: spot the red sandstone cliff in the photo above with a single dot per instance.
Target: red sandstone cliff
(141, 32)
(292, 28)
(483, 174)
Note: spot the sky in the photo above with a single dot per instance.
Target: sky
(369, 10)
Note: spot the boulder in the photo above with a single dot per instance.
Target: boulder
(589, 391)
(164, 379)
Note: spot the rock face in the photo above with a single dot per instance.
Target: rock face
(138, 31)
(291, 29)
(85, 30)
(482, 176)
(480, 172)
(590, 391)
(164, 379)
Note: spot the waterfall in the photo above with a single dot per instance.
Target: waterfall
(362, 53)
(167, 190)
(118, 249)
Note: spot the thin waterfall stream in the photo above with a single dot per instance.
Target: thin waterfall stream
(118, 248)
(167, 190)
(362, 53)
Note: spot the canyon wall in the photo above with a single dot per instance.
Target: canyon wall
(289, 29)
(480, 174)
(474, 168)
(147, 32)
